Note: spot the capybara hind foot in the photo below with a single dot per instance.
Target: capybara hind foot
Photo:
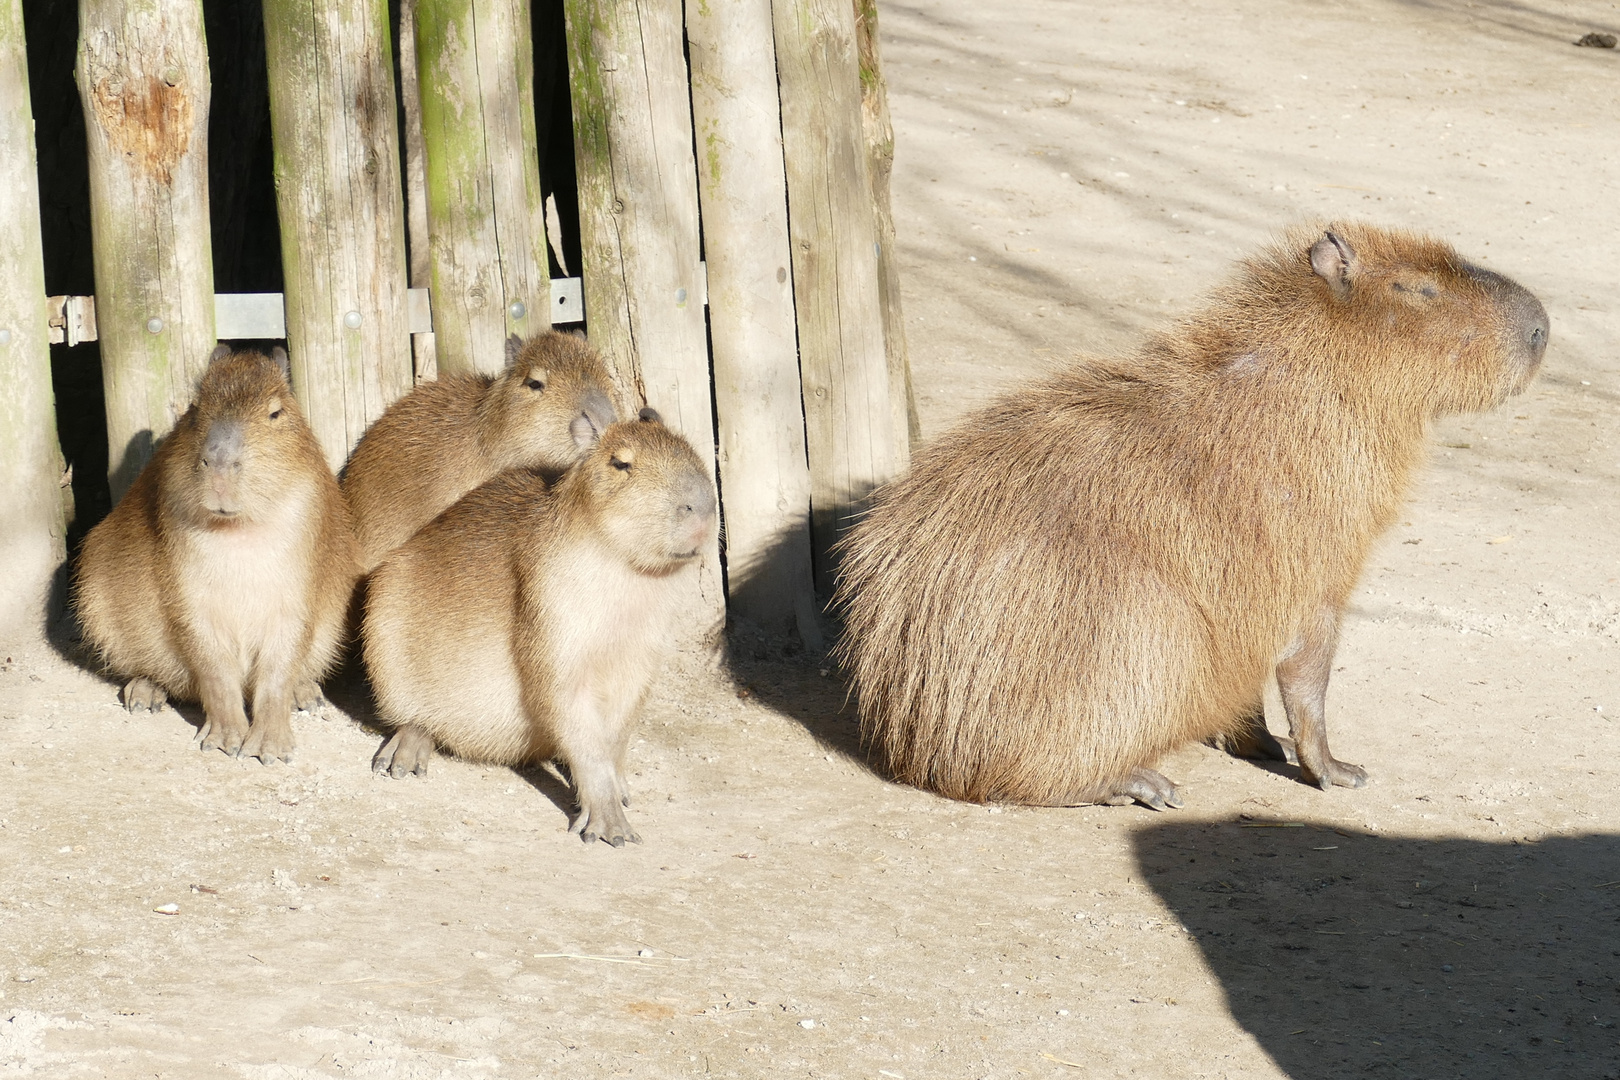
(407, 751)
(307, 696)
(607, 823)
(1332, 772)
(223, 732)
(143, 693)
(1253, 741)
(1147, 787)
(270, 740)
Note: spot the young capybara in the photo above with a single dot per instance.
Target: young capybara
(524, 623)
(1107, 564)
(227, 568)
(451, 434)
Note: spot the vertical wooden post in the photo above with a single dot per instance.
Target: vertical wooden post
(143, 81)
(879, 134)
(738, 120)
(638, 204)
(486, 213)
(853, 439)
(30, 460)
(333, 119)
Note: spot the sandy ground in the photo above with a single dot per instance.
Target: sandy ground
(1069, 177)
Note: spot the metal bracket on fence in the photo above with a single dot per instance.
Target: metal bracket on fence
(72, 319)
(263, 316)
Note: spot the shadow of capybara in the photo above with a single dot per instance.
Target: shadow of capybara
(525, 623)
(1107, 564)
(451, 434)
(227, 567)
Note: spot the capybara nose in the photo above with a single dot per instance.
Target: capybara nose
(1536, 329)
(222, 448)
(598, 411)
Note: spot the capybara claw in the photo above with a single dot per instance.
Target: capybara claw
(1337, 774)
(269, 741)
(142, 693)
(610, 826)
(307, 696)
(405, 752)
(1147, 787)
(225, 735)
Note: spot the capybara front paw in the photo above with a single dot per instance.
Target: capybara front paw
(604, 822)
(307, 696)
(1336, 774)
(226, 733)
(1147, 787)
(270, 740)
(407, 751)
(143, 693)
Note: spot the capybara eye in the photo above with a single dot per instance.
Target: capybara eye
(534, 384)
(275, 414)
(622, 466)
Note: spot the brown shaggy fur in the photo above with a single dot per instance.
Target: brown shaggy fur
(1107, 564)
(525, 622)
(227, 568)
(449, 435)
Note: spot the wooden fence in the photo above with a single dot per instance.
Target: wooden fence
(737, 272)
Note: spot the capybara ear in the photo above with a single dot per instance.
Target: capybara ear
(1334, 261)
(649, 415)
(221, 351)
(514, 346)
(278, 356)
(584, 432)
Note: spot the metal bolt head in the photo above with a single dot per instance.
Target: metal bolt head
(517, 309)
(680, 297)
(5, 337)
(154, 325)
(352, 320)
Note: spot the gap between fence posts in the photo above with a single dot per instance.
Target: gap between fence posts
(142, 74)
(334, 127)
(31, 540)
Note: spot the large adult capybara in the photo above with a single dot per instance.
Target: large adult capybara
(526, 622)
(226, 569)
(451, 434)
(1107, 564)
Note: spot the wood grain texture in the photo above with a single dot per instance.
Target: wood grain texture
(764, 476)
(30, 460)
(878, 131)
(338, 195)
(142, 74)
(853, 435)
(486, 212)
(639, 221)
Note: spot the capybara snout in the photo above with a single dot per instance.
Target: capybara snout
(1465, 337)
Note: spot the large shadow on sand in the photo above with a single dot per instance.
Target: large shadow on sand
(1348, 954)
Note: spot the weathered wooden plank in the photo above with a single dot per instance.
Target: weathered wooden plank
(639, 219)
(30, 460)
(143, 81)
(486, 212)
(878, 131)
(853, 439)
(338, 196)
(763, 472)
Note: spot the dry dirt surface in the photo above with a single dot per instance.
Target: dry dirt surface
(1069, 177)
